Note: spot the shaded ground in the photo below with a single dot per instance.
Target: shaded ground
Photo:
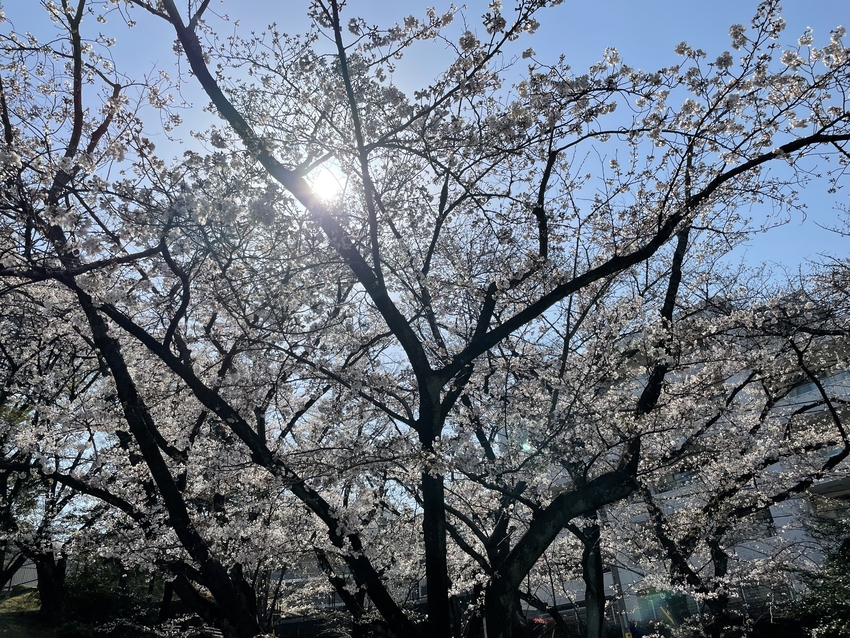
(19, 616)
(19, 619)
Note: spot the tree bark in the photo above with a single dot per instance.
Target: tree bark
(475, 622)
(165, 605)
(594, 581)
(503, 612)
(434, 527)
(718, 604)
(51, 585)
(436, 568)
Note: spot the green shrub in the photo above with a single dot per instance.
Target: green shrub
(826, 608)
(100, 591)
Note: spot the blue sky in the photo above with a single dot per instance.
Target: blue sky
(644, 32)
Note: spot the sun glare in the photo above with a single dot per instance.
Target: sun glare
(326, 183)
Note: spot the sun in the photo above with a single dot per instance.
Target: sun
(326, 183)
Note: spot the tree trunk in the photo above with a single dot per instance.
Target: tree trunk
(51, 585)
(165, 605)
(434, 524)
(436, 569)
(721, 621)
(475, 622)
(475, 626)
(594, 581)
(502, 611)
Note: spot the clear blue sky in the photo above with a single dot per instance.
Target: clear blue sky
(643, 31)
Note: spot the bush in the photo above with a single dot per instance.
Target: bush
(826, 608)
(101, 591)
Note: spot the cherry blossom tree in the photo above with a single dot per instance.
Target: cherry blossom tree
(475, 344)
(783, 418)
(46, 374)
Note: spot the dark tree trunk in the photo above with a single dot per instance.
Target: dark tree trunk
(721, 621)
(512, 564)
(165, 605)
(457, 617)
(51, 585)
(503, 617)
(594, 581)
(503, 612)
(475, 622)
(434, 532)
(475, 626)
